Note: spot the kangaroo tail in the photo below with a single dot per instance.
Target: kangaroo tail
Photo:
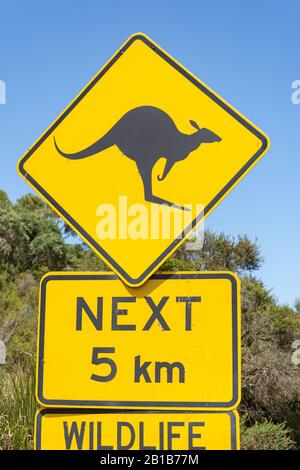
(98, 146)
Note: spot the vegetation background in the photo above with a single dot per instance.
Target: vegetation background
(33, 241)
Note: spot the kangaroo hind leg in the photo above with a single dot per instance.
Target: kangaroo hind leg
(146, 174)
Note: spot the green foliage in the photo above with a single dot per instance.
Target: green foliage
(271, 383)
(30, 237)
(13, 239)
(219, 252)
(266, 436)
(81, 258)
(297, 305)
(33, 241)
(286, 325)
(4, 199)
(18, 315)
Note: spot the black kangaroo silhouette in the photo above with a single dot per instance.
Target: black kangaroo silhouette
(146, 134)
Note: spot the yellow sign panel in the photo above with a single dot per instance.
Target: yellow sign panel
(140, 157)
(92, 430)
(173, 343)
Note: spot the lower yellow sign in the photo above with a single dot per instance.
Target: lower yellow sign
(92, 430)
(172, 343)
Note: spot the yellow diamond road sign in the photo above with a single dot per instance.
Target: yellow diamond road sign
(173, 343)
(93, 430)
(140, 157)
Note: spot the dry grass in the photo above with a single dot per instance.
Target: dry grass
(17, 406)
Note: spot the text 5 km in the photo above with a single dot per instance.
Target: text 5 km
(141, 369)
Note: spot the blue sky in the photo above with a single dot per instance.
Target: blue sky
(247, 51)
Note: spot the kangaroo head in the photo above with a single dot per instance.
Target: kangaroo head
(203, 135)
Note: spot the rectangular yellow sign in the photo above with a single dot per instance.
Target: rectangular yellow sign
(148, 431)
(172, 343)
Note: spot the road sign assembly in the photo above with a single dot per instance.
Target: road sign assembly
(134, 164)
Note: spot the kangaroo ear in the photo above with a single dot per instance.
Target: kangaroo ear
(194, 124)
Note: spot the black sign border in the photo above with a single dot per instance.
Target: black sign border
(115, 404)
(42, 412)
(208, 208)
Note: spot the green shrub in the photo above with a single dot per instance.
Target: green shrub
(266, 436)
